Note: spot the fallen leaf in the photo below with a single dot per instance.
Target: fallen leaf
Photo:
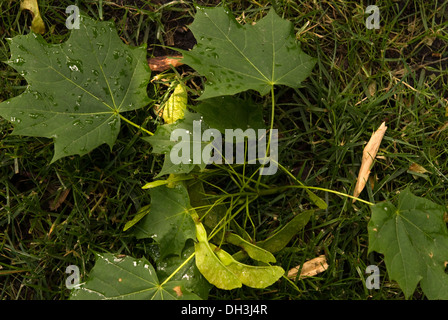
(371, 89)
(428, 41)
(37, 25)
(137, 280)
(164, 63)
(310, 268)
(174, 108)
(417, 168)
(368, 155)
(372, 181)
(54, 205)
(236, 58)
(413, 238)
(78, 112)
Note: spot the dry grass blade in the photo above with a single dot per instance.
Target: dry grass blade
(368, 155)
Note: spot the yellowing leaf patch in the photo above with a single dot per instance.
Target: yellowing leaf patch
(176, 105)
(37, 25)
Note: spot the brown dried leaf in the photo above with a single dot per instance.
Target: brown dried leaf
(54, 205)
(164, 62)
(417, 168)
(368, 155)
(371, 89)
(310, 268)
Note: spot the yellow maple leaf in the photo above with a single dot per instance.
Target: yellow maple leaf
(176, 105)
(37, 25)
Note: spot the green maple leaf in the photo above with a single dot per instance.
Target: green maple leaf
(236, 58)
(414, 240)
(168, 222)
(127, 278)
(77, 89)
(229, 112)
(281, 238)
(162, 144)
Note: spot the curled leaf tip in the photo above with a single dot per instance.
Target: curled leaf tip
(37, 24)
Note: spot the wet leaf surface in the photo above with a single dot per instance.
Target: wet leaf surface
(414, 240)
(126, 278)
(235, 58)
(168, 222)
(77, 89)
(189, 154)
(176, 105)
(231, 113)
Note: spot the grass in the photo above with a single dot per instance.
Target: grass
(363, 77)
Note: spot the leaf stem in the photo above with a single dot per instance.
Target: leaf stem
(272, 115)
(271, 191)
(271, 127)
(318, 188)
(136, 125)
(177, 270)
